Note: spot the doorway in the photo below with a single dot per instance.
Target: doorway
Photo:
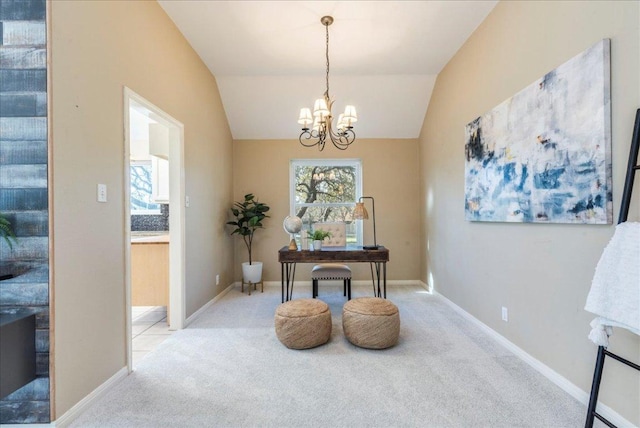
(154, 192)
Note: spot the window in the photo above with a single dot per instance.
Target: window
(326, 190)
(141, 196)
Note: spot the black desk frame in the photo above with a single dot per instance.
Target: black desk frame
(377, 259)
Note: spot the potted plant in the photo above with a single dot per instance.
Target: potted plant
(249, 215)
(317, 236)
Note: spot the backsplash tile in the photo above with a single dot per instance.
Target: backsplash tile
(149, 223)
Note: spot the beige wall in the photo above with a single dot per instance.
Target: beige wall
(542, 273)
(97, 49)
(390, 175)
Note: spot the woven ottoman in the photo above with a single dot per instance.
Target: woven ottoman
(303, 323)
(371, 322)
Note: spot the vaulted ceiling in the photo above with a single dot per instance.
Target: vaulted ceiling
(268, 58)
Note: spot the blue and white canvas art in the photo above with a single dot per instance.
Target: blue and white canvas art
(544, 155)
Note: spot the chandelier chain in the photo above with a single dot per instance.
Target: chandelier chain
(326, 27)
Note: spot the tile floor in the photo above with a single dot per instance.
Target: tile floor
(149, 329)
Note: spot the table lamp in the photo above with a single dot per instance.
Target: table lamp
(360, 213)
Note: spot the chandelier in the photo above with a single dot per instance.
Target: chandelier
(321, 127)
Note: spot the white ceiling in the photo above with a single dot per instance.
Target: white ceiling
(269, 58)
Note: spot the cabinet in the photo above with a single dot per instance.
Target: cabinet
(150, 274)
(159, 180)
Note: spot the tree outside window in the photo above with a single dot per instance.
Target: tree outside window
(141, 196)
(326, 191)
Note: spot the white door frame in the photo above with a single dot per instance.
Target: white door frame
(176, 217)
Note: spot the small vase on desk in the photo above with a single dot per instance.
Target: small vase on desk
(317, 244)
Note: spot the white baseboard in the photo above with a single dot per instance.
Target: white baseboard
(71, 414)
(426, 286)
(555, 377)
(209, 303)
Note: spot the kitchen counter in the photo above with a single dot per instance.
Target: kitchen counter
(150, 237)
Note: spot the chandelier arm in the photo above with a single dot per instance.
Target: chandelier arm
(343, 140)
(309, 138)
(340, 140)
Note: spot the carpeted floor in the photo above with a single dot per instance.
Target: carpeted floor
(228, 369)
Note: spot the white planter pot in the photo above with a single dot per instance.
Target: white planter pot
(317, 245)
(252, 272)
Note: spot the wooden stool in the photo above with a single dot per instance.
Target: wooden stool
(303, 323)
(371, 322)
(249, 286)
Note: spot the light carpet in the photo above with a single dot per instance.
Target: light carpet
(228, 369)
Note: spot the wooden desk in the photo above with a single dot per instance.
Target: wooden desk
(351, 254)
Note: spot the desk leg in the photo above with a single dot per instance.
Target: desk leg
(384, 270)
(373, 280)
(288, 272)
(377, 290)
(282, 280)
(293, 278)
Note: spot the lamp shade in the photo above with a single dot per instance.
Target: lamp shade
(320, 108)
(350, 115)
(305, 118)
(360, 212)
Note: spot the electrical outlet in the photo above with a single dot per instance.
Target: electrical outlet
(505, 314)
(217, 279)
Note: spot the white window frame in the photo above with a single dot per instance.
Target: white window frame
(355, 163)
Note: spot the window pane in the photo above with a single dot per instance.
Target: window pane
(323, 214)
(141, 202)
(325, 184)
(326, 190)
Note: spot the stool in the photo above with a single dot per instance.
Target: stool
(371, 322)
(303, 323)
(331, 271)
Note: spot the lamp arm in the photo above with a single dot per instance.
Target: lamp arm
(373, 204)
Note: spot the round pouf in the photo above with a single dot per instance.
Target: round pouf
(303, 323)
(371, 322)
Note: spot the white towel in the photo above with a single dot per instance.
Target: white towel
(615, 289)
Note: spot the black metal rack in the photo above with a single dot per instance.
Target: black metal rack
(632, 167)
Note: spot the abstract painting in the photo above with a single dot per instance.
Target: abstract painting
(544, 155)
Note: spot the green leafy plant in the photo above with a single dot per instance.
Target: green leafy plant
(249, 215)
(7, 232)
(318, 235)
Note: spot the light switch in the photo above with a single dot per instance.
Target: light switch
(102, 193)
(187, 202)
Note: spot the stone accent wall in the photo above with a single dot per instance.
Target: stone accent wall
(24, 190)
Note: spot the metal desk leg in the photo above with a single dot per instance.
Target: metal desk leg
(377, 291)
(288, 275)
(288, 272)
(384, 270)
(282, 281)
(378, 275)
(293, 278)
